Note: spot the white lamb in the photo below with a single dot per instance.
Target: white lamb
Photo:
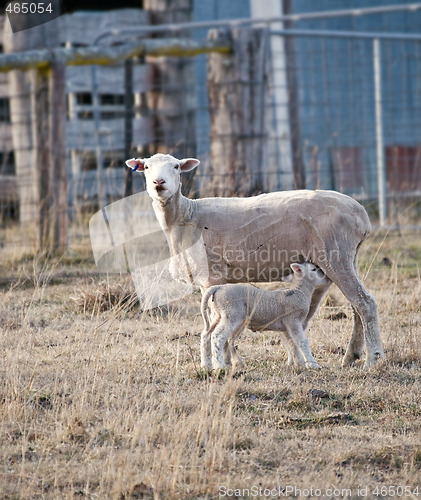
(256, 239)
(232, 308)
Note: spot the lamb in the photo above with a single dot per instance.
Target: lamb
(256, 239)
(234, 307)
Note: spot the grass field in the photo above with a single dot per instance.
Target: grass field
(107, 402)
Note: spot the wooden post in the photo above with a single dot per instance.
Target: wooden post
(20, 104)
(40, 163)
(172, 99)
(74, 159)
(128, 124)
(293, 111)
(57, 156)
(236, 94)
(49, 155)
(39, 140)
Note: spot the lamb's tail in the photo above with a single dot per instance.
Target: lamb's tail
(204, 306)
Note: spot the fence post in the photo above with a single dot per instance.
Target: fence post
(293, 107)
(236, 93)
(381, 174)
(102, 199)
(58, 157)
(20, 88)
(39, 141)
(74, 159)
(50, 161)
(41, 159)
(128, 124)
(172, 100)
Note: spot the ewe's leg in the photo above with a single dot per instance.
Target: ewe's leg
(355, 347)
(316, 298)
(366, 308)
(296, 332)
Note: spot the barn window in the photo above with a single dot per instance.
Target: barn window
(84, 98)
(403, 167)
(4, 109)
(347, 166)
(88, 161)
(111, 99)
(7, 163)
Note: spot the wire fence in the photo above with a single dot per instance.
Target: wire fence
(319, 120)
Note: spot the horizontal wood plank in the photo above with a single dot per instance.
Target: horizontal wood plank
(79, 56)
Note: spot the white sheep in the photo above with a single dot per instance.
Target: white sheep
(228, 309)
(255, 239)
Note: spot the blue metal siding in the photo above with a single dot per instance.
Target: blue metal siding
(336, 87)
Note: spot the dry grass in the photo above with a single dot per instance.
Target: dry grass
(107, 401)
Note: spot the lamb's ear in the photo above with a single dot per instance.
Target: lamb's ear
(188, 164)
(297, 269)
(136, 164)
(288, 278)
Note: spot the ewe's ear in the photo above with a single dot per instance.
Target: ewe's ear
(136, 164)
(298, 270)
(188, 164)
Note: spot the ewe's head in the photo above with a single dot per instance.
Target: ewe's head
(310, 272)
(162, 173)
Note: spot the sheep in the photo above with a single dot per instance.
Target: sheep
(234, 307)
(255, 239)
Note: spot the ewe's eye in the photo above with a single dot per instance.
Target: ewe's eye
(177, 167)
(145, 167)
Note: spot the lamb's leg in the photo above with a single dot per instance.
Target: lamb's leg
(228, 353)
(366, 308)
(316, 298)
(219, 337)
(294, 354)
(206, 347)
(236, 358)
(231, 355)
(211, 321)
(297, 334)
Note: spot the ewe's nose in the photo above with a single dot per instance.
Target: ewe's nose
(159, 182)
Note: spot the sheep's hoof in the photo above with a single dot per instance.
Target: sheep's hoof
(351, 358)
(314, 366)
(204, 373)
(373, 360)
(239, 364)
(219, 373)
(238, 370)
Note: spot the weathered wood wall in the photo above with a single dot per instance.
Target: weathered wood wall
(39, 112)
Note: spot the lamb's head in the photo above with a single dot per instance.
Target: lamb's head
(162, 173)
(308, 271)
